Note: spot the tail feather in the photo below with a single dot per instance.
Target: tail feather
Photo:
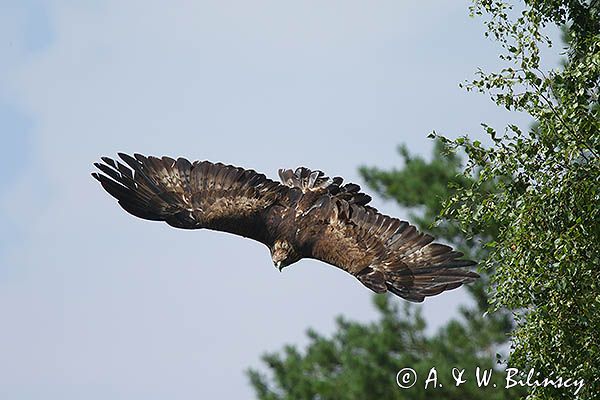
(305, 179)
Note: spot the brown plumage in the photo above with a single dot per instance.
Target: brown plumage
(307, 215)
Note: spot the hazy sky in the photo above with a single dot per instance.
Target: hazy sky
(96, 304)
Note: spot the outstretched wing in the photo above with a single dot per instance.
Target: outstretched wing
(191, 195)
(387, 254)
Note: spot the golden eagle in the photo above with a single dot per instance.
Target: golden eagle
(307, 215)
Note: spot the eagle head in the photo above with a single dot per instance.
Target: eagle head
(283, 254)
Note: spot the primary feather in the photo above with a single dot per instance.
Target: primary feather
(307, 215)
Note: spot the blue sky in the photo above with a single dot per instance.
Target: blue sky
(97, 304)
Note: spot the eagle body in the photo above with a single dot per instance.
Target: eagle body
(305, 215)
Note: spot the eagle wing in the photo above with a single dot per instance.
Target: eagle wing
(384, 253)
(191, 195)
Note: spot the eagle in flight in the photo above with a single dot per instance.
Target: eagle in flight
(306, 215)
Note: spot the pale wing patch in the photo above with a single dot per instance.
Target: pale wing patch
(238, 206)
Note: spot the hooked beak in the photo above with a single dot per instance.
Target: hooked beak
(278, 265)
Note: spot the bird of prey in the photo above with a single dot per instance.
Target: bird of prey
(306, 215)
